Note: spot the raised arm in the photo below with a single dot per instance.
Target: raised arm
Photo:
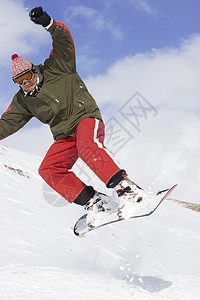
(62, 55)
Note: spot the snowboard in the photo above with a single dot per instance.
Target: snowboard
(143, 209)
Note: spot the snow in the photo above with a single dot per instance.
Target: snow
(40, 258)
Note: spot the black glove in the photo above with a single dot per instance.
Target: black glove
(38, 16)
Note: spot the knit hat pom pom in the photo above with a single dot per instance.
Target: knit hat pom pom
(14, 56)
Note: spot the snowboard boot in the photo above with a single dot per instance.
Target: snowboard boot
(98, 208)
(129, 195)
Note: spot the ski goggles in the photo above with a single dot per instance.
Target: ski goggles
(24, 77)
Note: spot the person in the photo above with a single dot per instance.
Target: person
(55, 94)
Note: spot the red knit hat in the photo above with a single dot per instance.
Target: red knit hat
(19, 64)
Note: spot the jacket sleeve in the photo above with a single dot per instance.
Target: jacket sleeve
(62, 55)
(13, 119)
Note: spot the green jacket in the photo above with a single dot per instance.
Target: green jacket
(61, 100)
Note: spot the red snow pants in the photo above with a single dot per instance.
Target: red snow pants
(87, 144)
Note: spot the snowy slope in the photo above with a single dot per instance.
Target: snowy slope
(40, 257)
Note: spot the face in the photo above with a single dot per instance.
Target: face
(30, 86)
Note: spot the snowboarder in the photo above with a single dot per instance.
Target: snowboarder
(54, 93)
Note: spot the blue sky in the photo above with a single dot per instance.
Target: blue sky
(105, 31)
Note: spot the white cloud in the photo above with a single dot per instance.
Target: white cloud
(167, 149)
(17, 32)
(145, 6)
(167, 77)
(97, 20)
